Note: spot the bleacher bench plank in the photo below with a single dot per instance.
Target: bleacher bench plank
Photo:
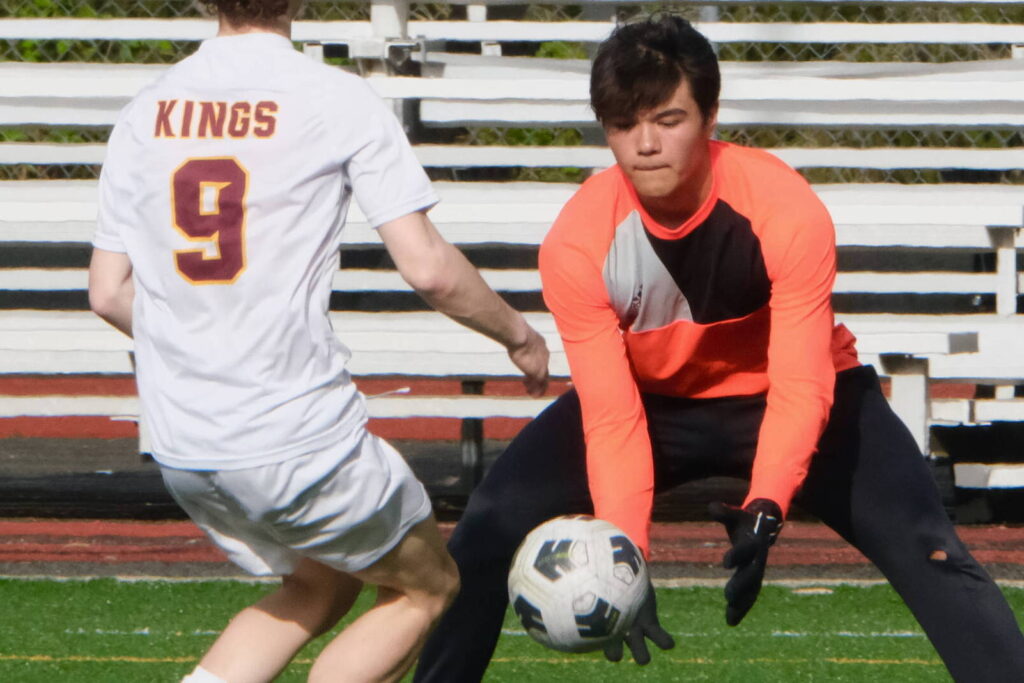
(38, 93)
(416, 345)
(185, 29)
(460, 407)
(355, 280)
(460, 156)
(476, 210)
(988, 476)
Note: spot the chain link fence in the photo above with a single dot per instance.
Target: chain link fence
(325, 10)
(871, 14)
(166, 52)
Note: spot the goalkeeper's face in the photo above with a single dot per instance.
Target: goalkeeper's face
(664, 153)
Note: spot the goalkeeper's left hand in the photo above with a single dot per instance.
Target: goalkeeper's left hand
(752, 530)
(644, 626)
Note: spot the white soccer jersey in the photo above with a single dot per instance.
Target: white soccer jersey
(227, 183)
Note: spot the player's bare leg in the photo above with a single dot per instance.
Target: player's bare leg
(261, 640)
(416, 582)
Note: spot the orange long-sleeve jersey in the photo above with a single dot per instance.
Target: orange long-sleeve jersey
(733, 302)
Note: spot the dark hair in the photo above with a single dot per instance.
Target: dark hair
(641, 64)
(248, 12)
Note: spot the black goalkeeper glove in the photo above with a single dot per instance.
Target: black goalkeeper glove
(752, 530)
(644, 626)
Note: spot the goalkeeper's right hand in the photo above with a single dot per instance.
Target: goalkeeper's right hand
(752, 530)
(645, 626)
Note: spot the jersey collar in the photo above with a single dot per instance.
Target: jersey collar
(258, 41)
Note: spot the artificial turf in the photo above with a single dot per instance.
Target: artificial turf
(106, 630)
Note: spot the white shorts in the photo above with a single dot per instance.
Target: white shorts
(344, 507)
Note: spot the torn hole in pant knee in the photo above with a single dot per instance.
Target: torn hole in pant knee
(939, 556)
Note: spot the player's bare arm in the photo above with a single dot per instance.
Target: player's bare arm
(447, 281)
(111, 290)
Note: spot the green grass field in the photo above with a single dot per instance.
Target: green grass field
(107, 630)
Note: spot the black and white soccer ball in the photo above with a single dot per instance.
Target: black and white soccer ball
(576, 583)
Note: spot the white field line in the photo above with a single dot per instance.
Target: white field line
(564, 660)
(203, 633)
(570, 660)
(800, 583)
(809, 583)
(138, 632)
(776, 634)
(142, 579)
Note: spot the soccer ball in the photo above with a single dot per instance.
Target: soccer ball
(577, 583)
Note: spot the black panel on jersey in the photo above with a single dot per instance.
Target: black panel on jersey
(718, 266)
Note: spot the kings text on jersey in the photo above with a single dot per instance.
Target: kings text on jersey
(190, 119)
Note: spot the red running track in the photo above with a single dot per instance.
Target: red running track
(110, 542)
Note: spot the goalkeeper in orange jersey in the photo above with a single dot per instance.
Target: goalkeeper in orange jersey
(691, 286)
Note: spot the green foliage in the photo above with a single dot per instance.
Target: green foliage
(325, 10)
(560, 49)
(525, 136)
(544, 137)
(564, 174)
(538, 12)
(95, 8)
(49, 134)
(1008, 13)
(43, 8)
(100, 51)
(432, 11)
(329, 10)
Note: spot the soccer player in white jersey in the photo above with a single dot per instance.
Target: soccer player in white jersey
(222, 201)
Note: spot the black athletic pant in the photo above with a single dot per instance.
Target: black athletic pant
(868, 481)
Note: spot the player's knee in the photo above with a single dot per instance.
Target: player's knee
(444, 588)
(949, 555)
(452, 583)
(953, 556)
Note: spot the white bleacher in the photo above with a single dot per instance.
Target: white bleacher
(866, 215)
(489, 89)
(810, 93)
(412, 344)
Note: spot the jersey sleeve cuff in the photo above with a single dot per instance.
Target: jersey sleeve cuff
(107, 244)
(783, 500)
(423, 202)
